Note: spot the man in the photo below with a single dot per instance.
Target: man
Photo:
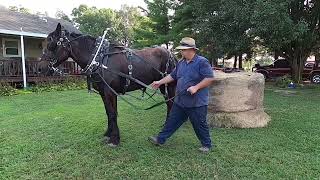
(193, 75)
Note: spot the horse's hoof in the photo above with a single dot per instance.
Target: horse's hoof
(112, 145)
(106, 138)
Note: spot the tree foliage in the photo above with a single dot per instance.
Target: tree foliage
(20, 9)
(291, 27)
(61, 15)
(234, 27)
(222, 28)
(94, 21)
(120, 24)
(160, 21)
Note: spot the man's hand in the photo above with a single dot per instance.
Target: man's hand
(193, 89)
(156, 84)
(165, 80)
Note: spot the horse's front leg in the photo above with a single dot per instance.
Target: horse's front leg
(107, 134)
(111, 109)
(100, 87)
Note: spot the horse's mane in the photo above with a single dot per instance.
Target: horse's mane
(116, 45)
(76, 35)
(113, 44)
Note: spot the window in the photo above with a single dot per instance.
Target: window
(281, 63)
(11, 48)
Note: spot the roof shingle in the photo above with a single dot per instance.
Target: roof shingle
(14, 21)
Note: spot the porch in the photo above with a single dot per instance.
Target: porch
(11, 71)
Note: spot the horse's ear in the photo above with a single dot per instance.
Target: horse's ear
(58, 29)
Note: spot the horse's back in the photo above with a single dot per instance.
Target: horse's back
(152, 54)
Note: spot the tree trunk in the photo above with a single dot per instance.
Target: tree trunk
(235, 61)
(215, 62)
(240, 61)
(317, 58)
(294, 69)
(276, 54)
(299, 59)
(302, 62)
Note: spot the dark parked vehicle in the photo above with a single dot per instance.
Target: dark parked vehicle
(282, 67)
(227, 69)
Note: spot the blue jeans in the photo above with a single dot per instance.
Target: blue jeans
(178, 115)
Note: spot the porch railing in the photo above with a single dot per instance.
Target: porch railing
(13, 68)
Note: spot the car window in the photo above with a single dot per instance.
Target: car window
(309, 65)
(282, 63)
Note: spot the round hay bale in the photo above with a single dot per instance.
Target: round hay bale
(236, 100)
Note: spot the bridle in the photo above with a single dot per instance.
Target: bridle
(65, 43)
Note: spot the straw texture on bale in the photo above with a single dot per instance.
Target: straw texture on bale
(236, 101)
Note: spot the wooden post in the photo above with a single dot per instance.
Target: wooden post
(24, 74)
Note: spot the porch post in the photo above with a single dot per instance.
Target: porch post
(23, 62)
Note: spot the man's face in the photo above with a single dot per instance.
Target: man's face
(187, 53)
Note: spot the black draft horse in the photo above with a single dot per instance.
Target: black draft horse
(148, 65)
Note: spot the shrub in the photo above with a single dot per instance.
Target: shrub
(7, 90)
(68, 84)
(283, 81)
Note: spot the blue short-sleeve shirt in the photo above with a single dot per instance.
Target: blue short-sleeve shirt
(190, 74)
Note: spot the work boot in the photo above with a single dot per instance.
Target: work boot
(154, 140)
(204, 149)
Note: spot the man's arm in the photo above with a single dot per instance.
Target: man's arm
(165, 80)
(202, 84)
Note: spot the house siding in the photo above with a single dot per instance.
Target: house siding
(33, 47)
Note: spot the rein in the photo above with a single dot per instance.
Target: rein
(96, 64)
(136, 107)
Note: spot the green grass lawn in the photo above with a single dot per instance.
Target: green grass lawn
(57, 135)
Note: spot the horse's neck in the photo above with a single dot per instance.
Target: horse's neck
(82, 54)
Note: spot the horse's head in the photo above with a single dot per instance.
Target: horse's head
(46, 64)
(58, 47)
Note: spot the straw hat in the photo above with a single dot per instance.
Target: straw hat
(187, 43)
